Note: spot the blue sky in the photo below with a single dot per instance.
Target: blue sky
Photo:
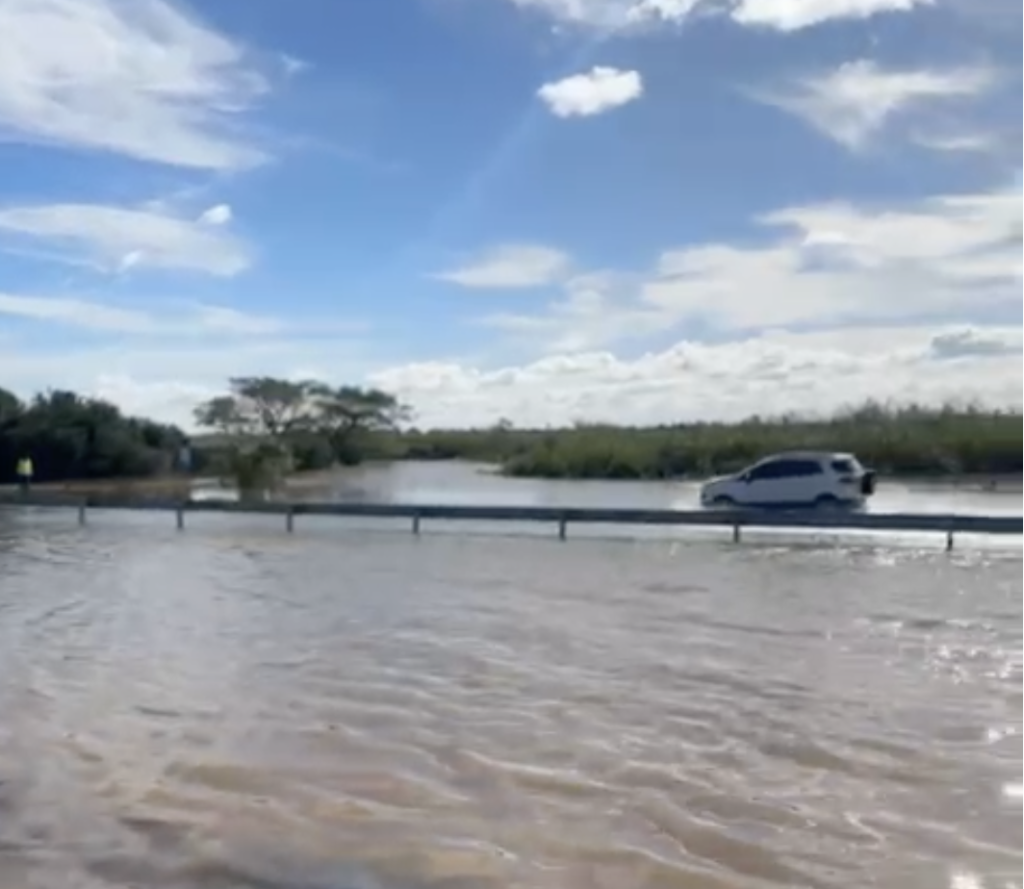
(547, 210)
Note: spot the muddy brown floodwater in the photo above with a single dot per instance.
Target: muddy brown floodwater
(350, 709)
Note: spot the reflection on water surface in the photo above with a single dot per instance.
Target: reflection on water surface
(344, 709)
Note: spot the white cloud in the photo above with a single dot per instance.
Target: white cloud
(782, 15)
(951, 256)
(772, 373)
(795, 15)
(165, 321)
(690, 381)
(121, 238)
(511, 267)
(596, 92)
(219, 319)
(221, 214)
(823, 265)
(589, 315)
(74, 313)
(856, 101)
(591, 13)
(138, 78)
(960, 143)
(170, 401)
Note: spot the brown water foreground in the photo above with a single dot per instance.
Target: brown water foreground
(234, 708)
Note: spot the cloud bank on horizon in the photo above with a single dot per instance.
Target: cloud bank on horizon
(539, 210)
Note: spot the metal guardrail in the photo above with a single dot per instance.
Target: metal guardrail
(560, 517)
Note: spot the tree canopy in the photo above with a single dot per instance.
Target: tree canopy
(69, 436)
(268, 427)
(279, 409)
(259, 423)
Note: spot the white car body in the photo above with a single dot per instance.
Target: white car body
(798, 480)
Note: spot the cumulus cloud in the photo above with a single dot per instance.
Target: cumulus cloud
(510, 267)
(766, 374)
(824, 265)
(111, 238)
(856, 101)
(139, 79)
(865, 278)
(795, 15)
(595, 92)
(774, 372)
(781, 15)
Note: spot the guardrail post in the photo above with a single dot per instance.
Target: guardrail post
(81, 513)
(950, 540)
(180, 517)
(289, 520)
(737, 532)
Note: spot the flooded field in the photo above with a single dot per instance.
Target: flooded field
(235, 708)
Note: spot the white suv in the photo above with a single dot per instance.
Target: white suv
(798, 480)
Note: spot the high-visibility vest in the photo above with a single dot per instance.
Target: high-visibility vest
(25, 468)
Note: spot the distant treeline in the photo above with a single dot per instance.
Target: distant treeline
(262, 427)
(909, 441)
(308, 426)
(68, 436)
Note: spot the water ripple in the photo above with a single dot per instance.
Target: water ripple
(206, 712)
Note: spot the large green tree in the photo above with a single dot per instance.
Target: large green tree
(348, 415)
(266, 427)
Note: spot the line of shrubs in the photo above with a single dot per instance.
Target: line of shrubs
(913, 441)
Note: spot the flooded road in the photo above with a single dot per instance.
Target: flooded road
(478, 484)
(235, 708)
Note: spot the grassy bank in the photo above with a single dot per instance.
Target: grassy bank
(911, 442)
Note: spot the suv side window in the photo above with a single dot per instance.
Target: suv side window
(765, 472)
(781, 469)
(805, 468)
(773, 469)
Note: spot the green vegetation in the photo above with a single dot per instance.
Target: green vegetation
(68, 436)
(266, 429)
(262, 430)
(913, 441)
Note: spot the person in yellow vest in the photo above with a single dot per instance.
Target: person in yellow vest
(25, 470)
